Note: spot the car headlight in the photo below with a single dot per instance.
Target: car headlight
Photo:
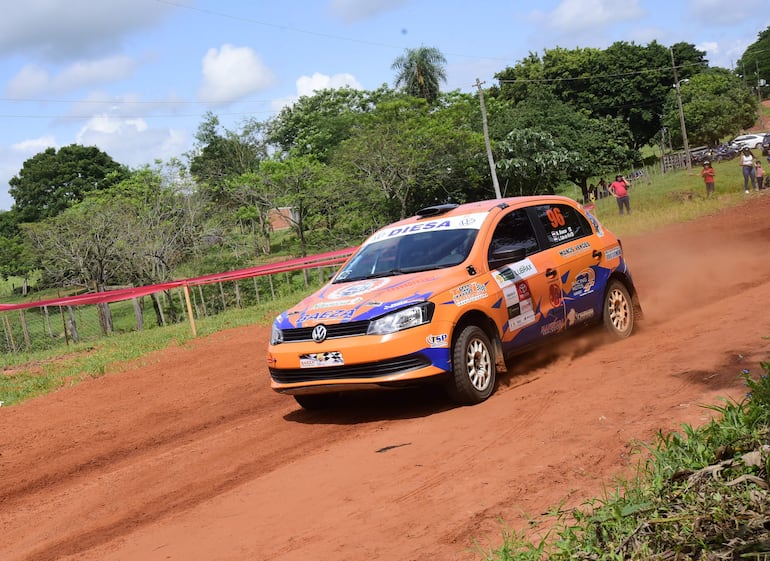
(276, 335)
(402, 319)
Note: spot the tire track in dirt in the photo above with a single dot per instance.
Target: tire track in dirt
(189, 454)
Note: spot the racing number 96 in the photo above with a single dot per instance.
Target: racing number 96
(556, 217)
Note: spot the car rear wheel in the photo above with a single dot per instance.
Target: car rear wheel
(618, 310)
(473, 367)
(316, 401)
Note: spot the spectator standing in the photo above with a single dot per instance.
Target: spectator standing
(708, 177)
(602, 187)
(760, 173)
(619, 190)
(746, 161)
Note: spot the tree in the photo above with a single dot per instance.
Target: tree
(420, 71)
(52, 181)
(754, 65)
(625, 80)
(136, 232)
(590, 146)
(82, 246)
(315, 125)
(220, 156)
(298, 183)
(409, 155)
(11, 246)
(532, 162)
(715, 104)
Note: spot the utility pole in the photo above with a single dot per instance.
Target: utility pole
(486, 140)
(681, 114)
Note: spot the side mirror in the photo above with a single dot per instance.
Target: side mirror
(505, 255)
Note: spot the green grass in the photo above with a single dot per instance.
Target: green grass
(701, 493)
(674, 197)
(30, 374)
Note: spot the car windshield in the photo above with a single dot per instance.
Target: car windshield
(412, 253)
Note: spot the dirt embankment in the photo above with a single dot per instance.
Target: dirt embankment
(189, 456)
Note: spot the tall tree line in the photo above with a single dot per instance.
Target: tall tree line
(347, 161)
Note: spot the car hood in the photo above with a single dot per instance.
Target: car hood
(366, 299)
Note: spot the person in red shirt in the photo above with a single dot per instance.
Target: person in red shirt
(708, 177)
(619, 190)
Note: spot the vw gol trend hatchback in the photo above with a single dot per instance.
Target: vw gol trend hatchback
(453, 293)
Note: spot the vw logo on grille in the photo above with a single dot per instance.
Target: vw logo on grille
(319, 333)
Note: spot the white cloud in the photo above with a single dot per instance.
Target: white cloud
(308, 85)
(230, 73)
(131, 141)
(33, 80)
(720, 13)
(57, 30)
(350, 11)
(34, 145)
(582, 15)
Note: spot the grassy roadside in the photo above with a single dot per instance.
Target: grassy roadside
(699, 494)
(27, 375)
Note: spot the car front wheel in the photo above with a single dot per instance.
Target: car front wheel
(473, 367)
(618, 310)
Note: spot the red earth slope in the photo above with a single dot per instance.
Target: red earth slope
(188, 455)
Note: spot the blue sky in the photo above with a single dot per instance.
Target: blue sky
(135, 77)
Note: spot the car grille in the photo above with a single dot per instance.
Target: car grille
(348, 329)
(360, 371)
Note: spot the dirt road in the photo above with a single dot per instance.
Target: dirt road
(189, 455)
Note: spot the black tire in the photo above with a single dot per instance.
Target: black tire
(315, 401)
(618, 312)
(473, 367)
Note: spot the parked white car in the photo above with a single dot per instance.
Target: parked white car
(752, 141)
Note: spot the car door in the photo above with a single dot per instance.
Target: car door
(576, 253)
(529, 285)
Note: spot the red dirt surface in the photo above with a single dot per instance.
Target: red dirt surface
(188, 455)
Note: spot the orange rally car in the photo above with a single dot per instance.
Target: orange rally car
(451, 294)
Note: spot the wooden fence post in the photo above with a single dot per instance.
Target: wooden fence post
(203, 301)
(24, 329)
(64, 325)
(73, 325)
(48, 322)
(189, 309)
(9, 334)
(138, 314)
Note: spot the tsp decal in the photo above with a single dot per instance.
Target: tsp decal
(437, 340)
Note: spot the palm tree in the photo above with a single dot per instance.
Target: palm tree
(420, 71)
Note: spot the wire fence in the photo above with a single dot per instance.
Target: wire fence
(60, 322)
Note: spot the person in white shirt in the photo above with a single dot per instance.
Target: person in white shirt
(747, 163)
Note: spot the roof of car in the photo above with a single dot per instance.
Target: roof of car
(484, 206)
